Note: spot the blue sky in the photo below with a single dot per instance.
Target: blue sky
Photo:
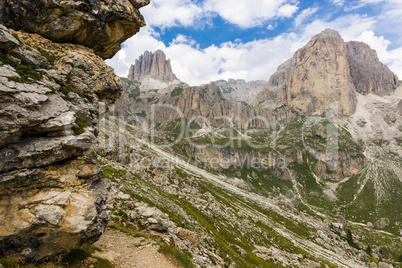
(208, 40)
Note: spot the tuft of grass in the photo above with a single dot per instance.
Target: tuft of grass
(66, 90)
(82, 122)
(17, 37)
(27, 72)
(15, 79)
(50, 58)
(183, 257)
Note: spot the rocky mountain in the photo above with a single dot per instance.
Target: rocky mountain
(302, 84)
(240, 90)
(152, 65)
(349, 67)
(99, 25)
(306, 175)
(368, 74)
(53, 196)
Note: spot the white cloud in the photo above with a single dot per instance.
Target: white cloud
(270, 27)
(338, 2)
(304, 15)
(252, 60)
(287, 10)
(251, 13)
(169, 13)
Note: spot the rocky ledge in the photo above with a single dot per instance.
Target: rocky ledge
(97, 24)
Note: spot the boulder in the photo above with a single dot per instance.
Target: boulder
(381, 223)
(99, 25)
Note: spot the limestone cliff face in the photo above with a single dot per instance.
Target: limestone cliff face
(152, 65)
(206, 102)
(368, 74)
(52, 195)
(97, 24)
(315, 80)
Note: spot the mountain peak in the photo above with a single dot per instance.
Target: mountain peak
(152, 65)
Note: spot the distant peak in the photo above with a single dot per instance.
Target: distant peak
(152, 65)
(328, 34)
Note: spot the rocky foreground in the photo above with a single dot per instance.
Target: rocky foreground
(52, 84)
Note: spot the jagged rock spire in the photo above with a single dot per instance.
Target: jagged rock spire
(152, 65)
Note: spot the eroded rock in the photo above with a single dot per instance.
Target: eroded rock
(100, 25)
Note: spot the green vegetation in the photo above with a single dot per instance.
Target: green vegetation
(15, 79)
(183, 257)
(349, 239)
(65, 90)
(134, 93)
(27, 72)
(176, 92)
(44, 65)
(12, 262)
(5, 59)
(17, 37)
(50, 58)
(82, 122)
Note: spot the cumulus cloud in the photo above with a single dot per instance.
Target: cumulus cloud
(169, 13)
(253, 60)
(250, 13)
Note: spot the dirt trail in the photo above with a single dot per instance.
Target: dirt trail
(125, 251)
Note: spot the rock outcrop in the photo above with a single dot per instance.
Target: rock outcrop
(52, 195)
(50, 199)
(315, 80)
(152, 65)
(100, 25)
(368, 74)
(240, 90)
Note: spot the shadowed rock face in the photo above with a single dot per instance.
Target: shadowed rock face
(98, 24)
(152, 65)
(369, 75)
